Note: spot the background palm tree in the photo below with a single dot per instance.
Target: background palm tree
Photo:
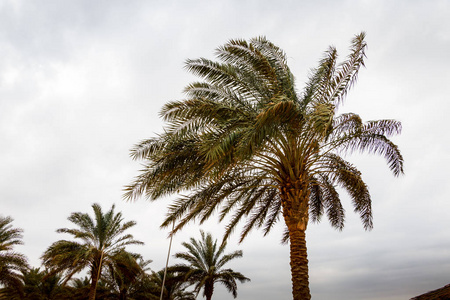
(81, 287)
(174, 287)
(124, 275)
(205, 265)
(11, 263)
(40, 285)
(102, 238)
(245, 141)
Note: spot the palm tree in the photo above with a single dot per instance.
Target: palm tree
(174, 286)
(11, 263)
(40, 285)
(125, 274)
(101, 239)
(246, 142)
(81, 287)
(205, 265)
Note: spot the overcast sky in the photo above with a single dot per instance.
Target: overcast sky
(81, 82)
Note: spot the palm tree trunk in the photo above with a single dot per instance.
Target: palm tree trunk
(123, 294)
(295, 203)
(95, 277)
(93, 288)
(209, 289)
(299, 264)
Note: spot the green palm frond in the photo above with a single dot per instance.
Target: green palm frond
(377, 144)
(9, 236)
(225, 75)
(346, 123)
(146, 148)
(332, 203)
(265, 214)
(347, 73)
(319, 80)
(316, 201)
(12, 264)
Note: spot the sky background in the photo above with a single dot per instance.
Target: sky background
(81, 82)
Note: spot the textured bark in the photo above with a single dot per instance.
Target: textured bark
(299, 264)
(295, 202)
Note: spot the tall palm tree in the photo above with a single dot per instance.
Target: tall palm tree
(101, 238)
(246, 142)
(11, 263)
(205, 265)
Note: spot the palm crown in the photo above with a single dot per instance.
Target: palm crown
(11, 262)
(206, 261)
(246, 142)
(102, 239)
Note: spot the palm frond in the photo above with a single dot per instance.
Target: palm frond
(347, 72)
(332, 204)
(347, 176)
(316, 202)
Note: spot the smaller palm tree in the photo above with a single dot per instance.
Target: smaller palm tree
(11, 263)
(102, 238)
(124, 275)
(175, 286)
(40, 285)
(205, 265)
(81, 286)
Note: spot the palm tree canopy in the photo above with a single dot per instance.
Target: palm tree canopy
(99, 241)
(125, 274)
(9, 236)
(245, 142)
(11, 262)
(41, 285)
(205, 265)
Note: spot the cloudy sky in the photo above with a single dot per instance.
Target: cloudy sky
(81, 82)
